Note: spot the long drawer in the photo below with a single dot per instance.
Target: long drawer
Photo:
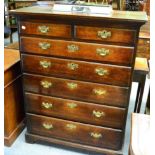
(45, 29)
(76, 111)
(78, 90)
(80, 70)
(74, 132)
(105, 34)
(87, 51)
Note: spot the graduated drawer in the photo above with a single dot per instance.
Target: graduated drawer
(80, 70)
(45, 29)
(85, 111)
(78, 90)
(74, 132)
(105, 34)
(80, 50)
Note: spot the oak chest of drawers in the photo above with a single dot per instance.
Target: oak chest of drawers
(77, 74)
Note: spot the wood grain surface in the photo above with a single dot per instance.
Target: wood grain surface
(85, 112)
(120, 55)
(84, 91)
(74, 132)
(80, 70)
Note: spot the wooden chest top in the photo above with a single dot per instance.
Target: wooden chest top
(11, 57)
(126, 16)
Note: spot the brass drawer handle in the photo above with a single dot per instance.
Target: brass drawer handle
(71, 105)
(44, 45)
(101, 71)
(47, 105)
(46, 84)
(96, 135)
(72, 66)
(104, 34)
(98, 114)
(45, 64)
(43, 29)
(99, 92)
(47, 126)
(102, 51)
(72, 85)
(72, 48)
(71, 126)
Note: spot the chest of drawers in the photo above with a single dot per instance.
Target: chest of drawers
(77, 74)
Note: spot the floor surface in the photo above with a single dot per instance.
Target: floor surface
(14, 36)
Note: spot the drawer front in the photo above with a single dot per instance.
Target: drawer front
(102, 73)
(55, 30)
(85, 112)
(87, 51)
(74, 132)
(78, 90)
(106, 34)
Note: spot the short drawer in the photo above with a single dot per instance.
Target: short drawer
(85, 112)
(78, 90)
(74, 132)
(45, 29)
(105, 34)
(87, 51)
(80, 70)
